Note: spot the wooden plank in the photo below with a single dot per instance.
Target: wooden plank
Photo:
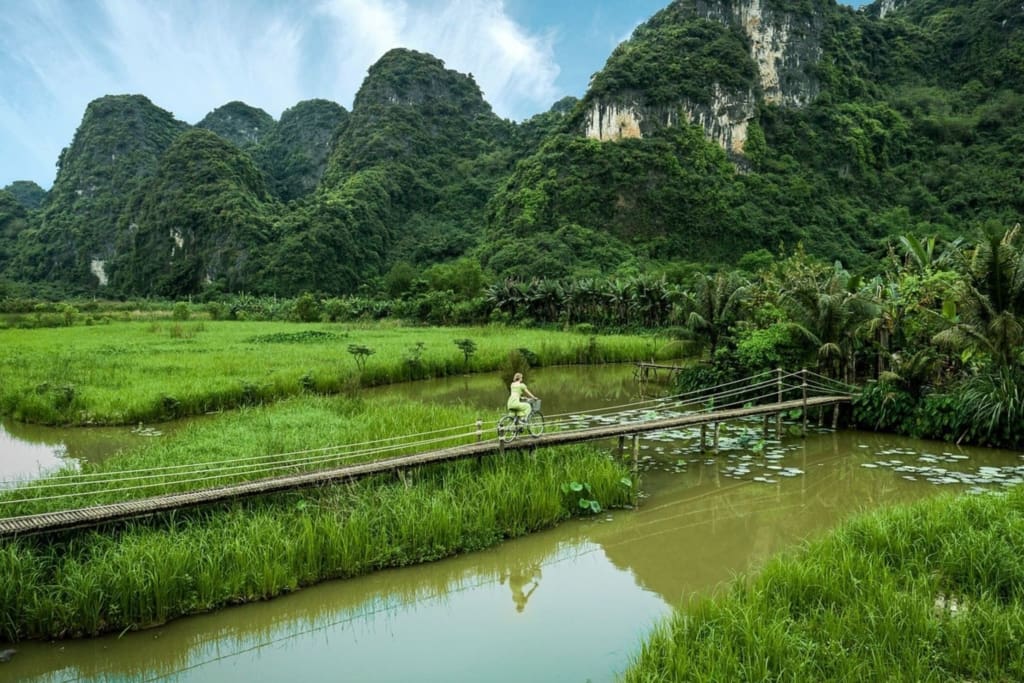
(100, 514)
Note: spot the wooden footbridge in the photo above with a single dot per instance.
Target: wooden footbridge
(767, 395)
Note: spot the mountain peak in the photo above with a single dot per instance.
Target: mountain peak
(239, 123)
(407, 77)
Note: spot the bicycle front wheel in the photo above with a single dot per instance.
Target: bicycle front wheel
(535, 423)
(506, 429)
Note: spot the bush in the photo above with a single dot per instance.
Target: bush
(180, 311)
(885, 407)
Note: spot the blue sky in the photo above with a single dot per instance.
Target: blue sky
(191, 56)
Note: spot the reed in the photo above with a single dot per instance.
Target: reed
(303, 433)
(928, 592)
(129, 372)
(144, 573)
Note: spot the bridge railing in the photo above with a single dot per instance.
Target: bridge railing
(74, 489)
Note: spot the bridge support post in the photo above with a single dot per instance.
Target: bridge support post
(778, 416)
(622, 445)
(803, 384)
(765, 430)
(835, 416)
(715, 438)
(479, 430)
(636, 456)
(703, 437)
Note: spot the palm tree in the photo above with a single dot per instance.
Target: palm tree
(714, 306)
(990, 319)
(990, 312)
(828, 312)
(923, 257)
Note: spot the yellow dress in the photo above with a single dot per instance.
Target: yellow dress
(516, 404)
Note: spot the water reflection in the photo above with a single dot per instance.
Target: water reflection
(23, 460)
(451, 621)
(523, 579)
(31, 451)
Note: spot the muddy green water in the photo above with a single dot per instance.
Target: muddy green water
(569, 604)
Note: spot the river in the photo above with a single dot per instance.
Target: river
(572, 603)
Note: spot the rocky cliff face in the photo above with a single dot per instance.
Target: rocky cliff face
(724, 119)
(784, 46)
(882, 8)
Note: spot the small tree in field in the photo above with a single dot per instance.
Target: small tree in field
(468, 348)
(360, 353)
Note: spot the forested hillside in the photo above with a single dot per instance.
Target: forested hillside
(721, 128)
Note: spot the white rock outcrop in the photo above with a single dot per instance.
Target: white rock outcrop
(98, 268)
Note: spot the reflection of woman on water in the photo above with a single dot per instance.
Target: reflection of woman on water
(522, 581)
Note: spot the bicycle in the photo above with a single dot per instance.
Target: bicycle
(511, 425)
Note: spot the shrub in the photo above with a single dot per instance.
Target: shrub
(180, 311)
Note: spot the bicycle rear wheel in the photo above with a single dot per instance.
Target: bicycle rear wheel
(506, 429)
(535, 423)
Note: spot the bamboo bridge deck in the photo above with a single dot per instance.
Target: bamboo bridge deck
(96, 515)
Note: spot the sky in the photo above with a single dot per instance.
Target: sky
(192, 56)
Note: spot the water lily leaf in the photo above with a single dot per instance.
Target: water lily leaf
(595, 507)
(576, 486)
(627, 482)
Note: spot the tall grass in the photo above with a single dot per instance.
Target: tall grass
(928, 592)
(303, 433)
(145, 573)
(124, 372)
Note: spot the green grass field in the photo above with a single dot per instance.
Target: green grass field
(125, 372)
(928, 592)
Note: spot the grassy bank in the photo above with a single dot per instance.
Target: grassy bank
(928, 592)
(302, 433)
(147, 573)
(144, 573)
(123, 373)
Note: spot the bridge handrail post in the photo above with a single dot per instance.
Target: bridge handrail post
(778, 415)
(803, 374)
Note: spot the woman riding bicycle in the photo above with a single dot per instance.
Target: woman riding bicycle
(516, 405)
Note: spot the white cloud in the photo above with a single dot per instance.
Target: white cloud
(191, 56)
(515, 69)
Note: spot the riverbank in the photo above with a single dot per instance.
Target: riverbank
(927, 592)
(130, 372)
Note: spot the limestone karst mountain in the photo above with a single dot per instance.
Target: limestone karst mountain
(719, 128)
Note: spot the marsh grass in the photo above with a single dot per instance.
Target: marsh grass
(144, 573)
(125, 372)
(299, 434)
(928, 592)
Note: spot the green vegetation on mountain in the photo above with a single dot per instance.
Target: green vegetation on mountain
(240, 124)
(675, 56)
(115, 151)
(873, 127)
(294, 153)
(200, 221)
(12, 222)
(914, 131)
(28, 193)
(423, 140)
